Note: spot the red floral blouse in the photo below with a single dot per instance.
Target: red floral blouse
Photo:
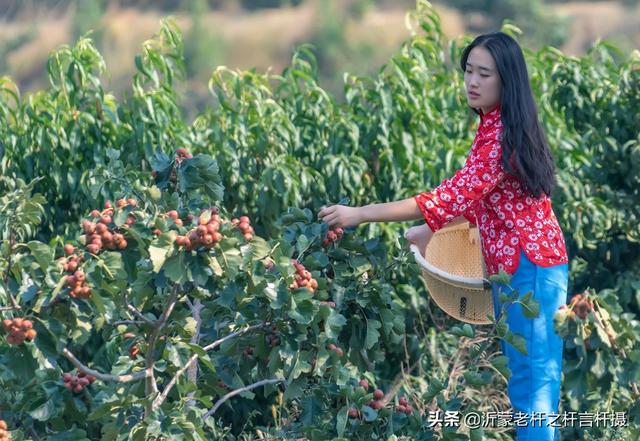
(508, 216)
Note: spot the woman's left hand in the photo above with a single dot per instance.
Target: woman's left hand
(419, 236)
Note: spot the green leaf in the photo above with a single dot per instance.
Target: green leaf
(476, 378)
(476, 434)
(43, 254)
(201, 173)
(111, 261)
(502, 277)
(333, 324)
(231, 261)
(599, 367)
(303, 311)
(369, 414)
(465, 331)
(372, 333)
(530, 306)
(104, 410)
(500, 363)
(311, 410)
(295, 389)
(175, 268)
(519, 343)
(44, 411)
(435, 387)
(341, 420)
(158, 251)
(301, 366)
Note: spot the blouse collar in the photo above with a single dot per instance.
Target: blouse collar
(491, 117)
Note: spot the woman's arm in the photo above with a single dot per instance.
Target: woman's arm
(343, 216)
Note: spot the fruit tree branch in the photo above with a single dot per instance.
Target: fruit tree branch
(99, 375)
(151, 387)
(9, 308)
(192, 371)
(165, 393)
(138, 314)
(235, 392)
(12, 240)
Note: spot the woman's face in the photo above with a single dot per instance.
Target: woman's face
(481, 80)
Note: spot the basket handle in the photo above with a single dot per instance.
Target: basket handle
(453, 279)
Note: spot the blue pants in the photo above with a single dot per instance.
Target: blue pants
(534, 385)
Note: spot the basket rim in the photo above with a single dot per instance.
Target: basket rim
(479, 283)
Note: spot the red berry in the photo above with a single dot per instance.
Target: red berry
(378, 394)
(93, 248)
(377, 405)
(364, 384)
(69, 249)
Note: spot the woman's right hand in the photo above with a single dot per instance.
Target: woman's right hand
(340, 216)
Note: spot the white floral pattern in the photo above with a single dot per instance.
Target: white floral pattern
(486, 194)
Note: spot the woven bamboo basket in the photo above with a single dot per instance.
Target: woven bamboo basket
(455, 275)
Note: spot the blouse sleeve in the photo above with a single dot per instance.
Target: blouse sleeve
(470, 213)
(459, 194)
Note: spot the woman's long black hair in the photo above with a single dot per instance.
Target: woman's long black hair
(525, 150)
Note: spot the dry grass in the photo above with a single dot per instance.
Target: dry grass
(605, 19)
(266, 38)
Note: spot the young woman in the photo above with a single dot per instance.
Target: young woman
(504, 188)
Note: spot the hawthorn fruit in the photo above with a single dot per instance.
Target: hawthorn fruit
(376, 404)
(333, 235)
(4, 434)
(583, 308)
(19, 330)
(244, 225)
(134, 351)
(364, 384)
(181, 154)
(77, 383)
(378, 394)
(303, 278)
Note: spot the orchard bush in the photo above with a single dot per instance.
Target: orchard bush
(178, 263)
